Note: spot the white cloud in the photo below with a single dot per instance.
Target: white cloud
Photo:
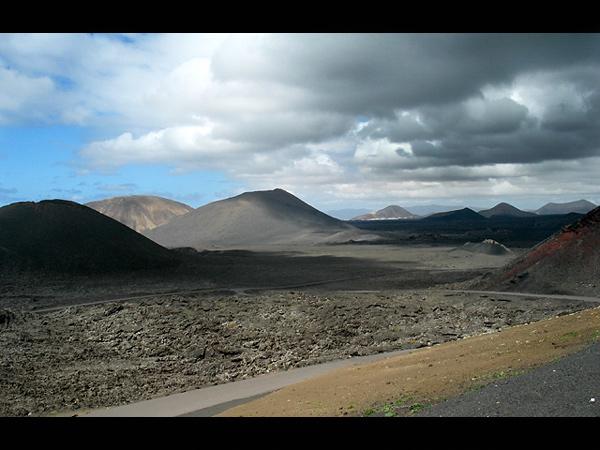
(166, 146)
(380, 153)
(128, 187)
(413, 115)
(19, 89)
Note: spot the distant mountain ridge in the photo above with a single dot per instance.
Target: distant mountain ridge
(427, 210)
(348, 213)
(140, 212)
(464, 214)
(501, 209)
(505, 209)
(389, 212)
(254, 219)
(579, 206)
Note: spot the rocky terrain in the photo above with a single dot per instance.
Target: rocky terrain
(86, 357)
(488, 247)
(538, 369)
(178, 331)
(94, 315)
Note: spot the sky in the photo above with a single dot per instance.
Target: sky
(339, 120)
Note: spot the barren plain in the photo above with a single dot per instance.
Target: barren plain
(77, 343)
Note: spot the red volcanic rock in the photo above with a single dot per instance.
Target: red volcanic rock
(566, 262)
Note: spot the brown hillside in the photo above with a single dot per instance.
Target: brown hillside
(140, 212)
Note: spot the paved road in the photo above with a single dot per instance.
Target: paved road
(552, 390)
(524, 294)
(214, 399)
(569, 387)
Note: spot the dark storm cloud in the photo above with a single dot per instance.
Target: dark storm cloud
(440, 93)
(362, 73)
(356, 114)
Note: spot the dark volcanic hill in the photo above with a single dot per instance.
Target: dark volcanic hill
(140, 212)
(253, 219)
(579, 206)
(567, 262)
(505, 210)
(460, 215)
(389, 212)
(63, 236)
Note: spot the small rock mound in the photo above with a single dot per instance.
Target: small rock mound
(486, 247)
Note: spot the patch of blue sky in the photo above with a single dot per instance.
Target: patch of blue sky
(126, 38)
(193, 188)
(36, 164)
(33, 159)
(64, 83)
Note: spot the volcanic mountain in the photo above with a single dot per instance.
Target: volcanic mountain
(579, 206)
(253, 219)
(460, 215)
(567, 262)
(390, 212)
(63, 236)
(140, 212)
(503, 210)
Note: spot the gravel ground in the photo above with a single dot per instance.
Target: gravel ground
(569, 387)
(87, 357)
(428, 377)
(70, 360)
